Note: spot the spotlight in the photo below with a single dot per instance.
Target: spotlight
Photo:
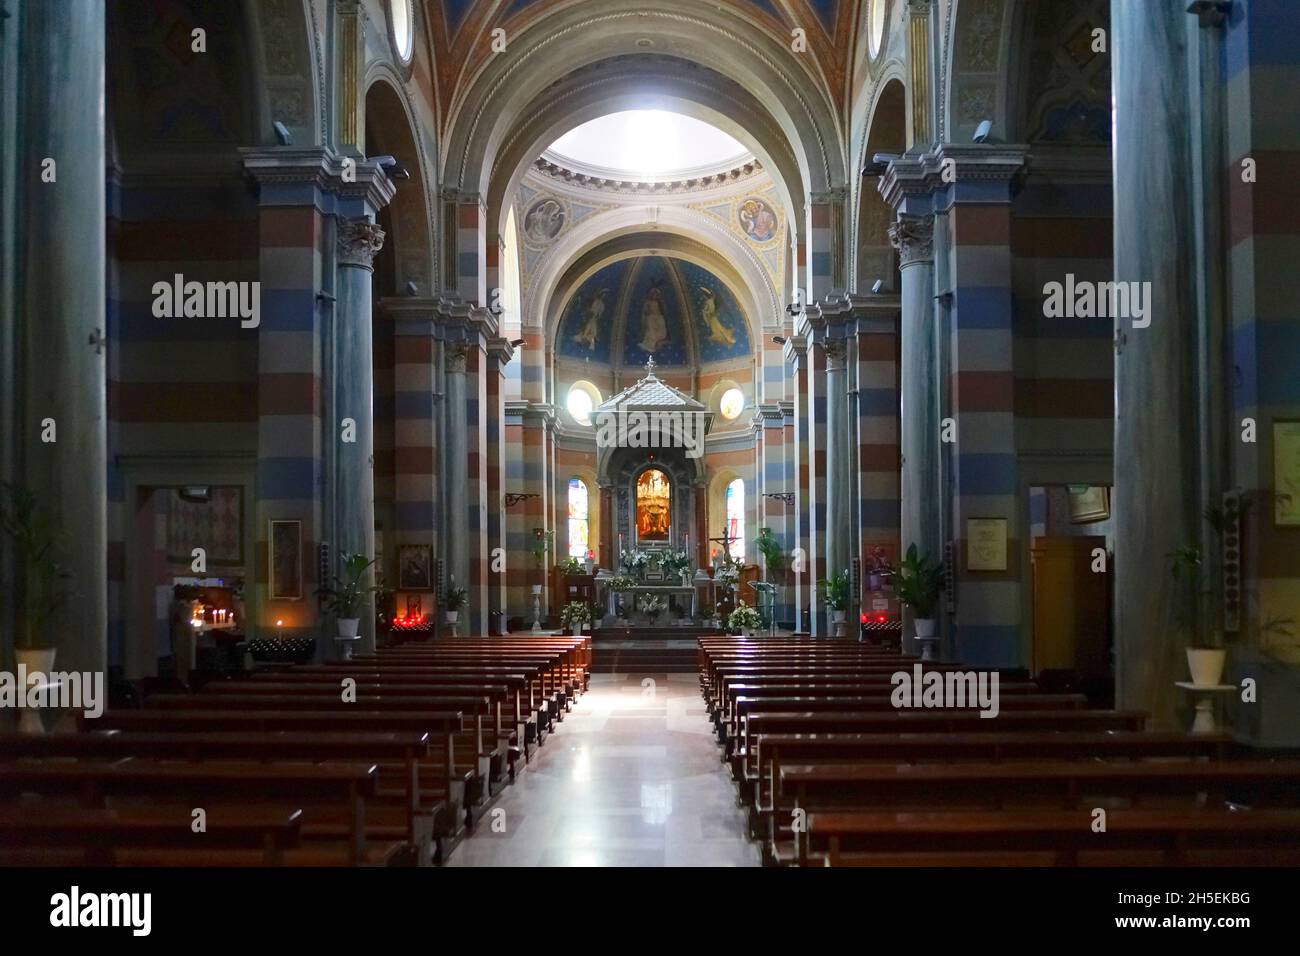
(516, 343)
(385, 161)
(282, 134)
(877, 286)
(982, 131)
(412, 288)
(779, 339)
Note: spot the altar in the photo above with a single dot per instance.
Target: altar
(680, 603)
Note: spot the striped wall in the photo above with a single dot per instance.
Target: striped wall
(1262, 59)
(176, 387)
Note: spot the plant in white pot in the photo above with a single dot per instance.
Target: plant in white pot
(345, 597)
(453, 602)
(835, 595)
(918, 582)
(1198, 617)
(40, 582)
(744, 620)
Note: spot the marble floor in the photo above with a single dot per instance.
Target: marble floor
(632, 777)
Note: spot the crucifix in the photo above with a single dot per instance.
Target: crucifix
(726, 540)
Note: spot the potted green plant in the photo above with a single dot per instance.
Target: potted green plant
(835, 595)
(572, 566)
(918, 582)
(453, 602)
(770, 548)
(1197, 604)
(574, 615)
(40, 586)
(744, 620)
(345, 596)
(541, 548)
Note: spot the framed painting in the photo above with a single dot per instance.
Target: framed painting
(1089, 504)
(284, 539)
(415, 567)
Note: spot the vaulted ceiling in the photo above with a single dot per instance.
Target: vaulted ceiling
(461, 32)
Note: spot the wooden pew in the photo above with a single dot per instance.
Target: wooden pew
(335, 794)
(448, 786)
(1210, 836)
(45, 835)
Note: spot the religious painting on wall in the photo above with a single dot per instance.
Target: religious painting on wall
(1286, 473)
(285, 541)
(543, 221)
(415, 567)
(655, 313)
(758, 219)
(587, 325)
(722, 329)
(214, 523)
(1089, 504)
(653, 506)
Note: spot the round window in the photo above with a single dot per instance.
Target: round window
(732, 404)
(581, 403)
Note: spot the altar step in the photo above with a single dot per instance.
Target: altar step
(657, 660)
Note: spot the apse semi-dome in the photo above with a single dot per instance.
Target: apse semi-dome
(676, 311)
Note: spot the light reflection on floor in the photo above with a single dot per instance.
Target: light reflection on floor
(632, 777)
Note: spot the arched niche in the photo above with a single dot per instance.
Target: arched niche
(407, 253)
(886, 133)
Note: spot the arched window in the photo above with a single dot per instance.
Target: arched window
(578, 523)
(736, 517)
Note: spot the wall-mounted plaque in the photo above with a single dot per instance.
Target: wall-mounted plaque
(986, 544)
(1089, 504)
(1286, 473)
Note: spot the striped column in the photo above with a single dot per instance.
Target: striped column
(825, 262)
(498, 358)
(466, 215)
(799, 357)
(773, 512)
(982, 389)
(415, 438)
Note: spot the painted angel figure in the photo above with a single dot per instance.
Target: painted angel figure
(590, 331)
(718, 332)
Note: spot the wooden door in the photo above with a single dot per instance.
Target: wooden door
(1071, 606)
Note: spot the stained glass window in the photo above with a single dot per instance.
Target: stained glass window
(578, 523)
(736, 517)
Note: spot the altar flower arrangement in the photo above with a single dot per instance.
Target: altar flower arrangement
(744, 618)
(675, 563)
(633, 562)
(621, 582)
(651, 606)
(728, 572)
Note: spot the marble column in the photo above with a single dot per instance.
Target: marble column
(913, 237)
(839, 461)
(1155, 496)
(59, 295)
(457, 535)
(359, 240)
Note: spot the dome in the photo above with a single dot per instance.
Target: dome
(676, 311)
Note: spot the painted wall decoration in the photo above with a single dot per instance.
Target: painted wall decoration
(544, 220)
(758, 219)
(587, 327)
(653, 305)
(721, 328)
(655, 318)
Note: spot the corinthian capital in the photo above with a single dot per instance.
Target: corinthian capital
(913, 237)
(359, 241)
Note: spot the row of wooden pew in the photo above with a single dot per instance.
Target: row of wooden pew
(387, 759)
(834, 774)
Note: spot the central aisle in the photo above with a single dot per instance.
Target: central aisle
(632, 777)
